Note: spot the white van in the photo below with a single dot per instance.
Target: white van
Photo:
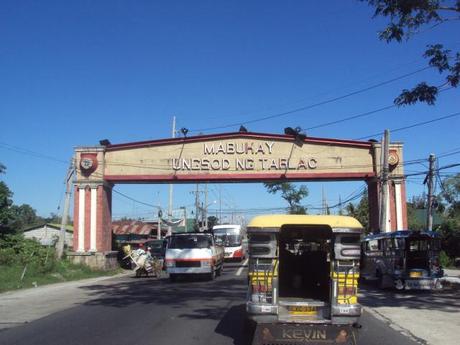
(193, 253)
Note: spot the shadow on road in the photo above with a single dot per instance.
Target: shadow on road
(233, 325)
(185, 292)
(445, 300)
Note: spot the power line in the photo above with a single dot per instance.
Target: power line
(417, 124)
(30, 153)
(132, 199)
(314, 105)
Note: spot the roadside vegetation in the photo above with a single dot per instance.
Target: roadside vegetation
(25, 263)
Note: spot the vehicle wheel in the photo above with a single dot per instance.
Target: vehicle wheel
(172, 277)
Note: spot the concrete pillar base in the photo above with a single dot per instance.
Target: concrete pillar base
(98, 260)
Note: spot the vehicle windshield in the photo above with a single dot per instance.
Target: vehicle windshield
(190, 242)
(229, 240)
(418, 245)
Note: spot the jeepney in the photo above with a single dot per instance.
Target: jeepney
(403, 260)
(303, 278)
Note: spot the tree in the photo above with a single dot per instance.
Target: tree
(23, 216)
(360, 212)
(212, 220)
(408, 17)
(451, 195)
(450, 228)
(5, 208)
(291, 194)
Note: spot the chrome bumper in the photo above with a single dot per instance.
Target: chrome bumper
(346, 310)
(188, 270)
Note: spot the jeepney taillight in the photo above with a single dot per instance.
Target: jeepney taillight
(238, 253)
(258, 288)
(347, 291)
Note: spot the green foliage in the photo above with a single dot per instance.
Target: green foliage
(212, 221)
(450, 195)
(413, 221)
(5, 208)
(445, 260)
(408, 17)
(36, 265)
(360, 211)
(23, 216)
(291, 194)
(15, 249)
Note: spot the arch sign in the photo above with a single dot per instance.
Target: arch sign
(228, 157)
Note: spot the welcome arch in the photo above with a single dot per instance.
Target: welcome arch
(228, 157)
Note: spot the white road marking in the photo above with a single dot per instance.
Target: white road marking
(243, 265)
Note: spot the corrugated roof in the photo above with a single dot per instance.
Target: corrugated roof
(132, 227)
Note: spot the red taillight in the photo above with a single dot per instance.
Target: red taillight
(238, 253)
(261, 288)
(347, 290)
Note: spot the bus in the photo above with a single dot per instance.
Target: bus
(303, 278)
(402, 259)
(232, 237)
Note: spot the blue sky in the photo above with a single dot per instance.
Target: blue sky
(75, 72)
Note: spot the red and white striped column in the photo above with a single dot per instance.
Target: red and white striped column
(92, 218)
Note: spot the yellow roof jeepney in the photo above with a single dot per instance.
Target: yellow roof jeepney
(303, 277)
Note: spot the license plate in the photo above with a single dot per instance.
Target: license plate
(310, 311)
(227, 254)
(419, 284)
(304, 334)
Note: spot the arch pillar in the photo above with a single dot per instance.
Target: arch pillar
(396, 217)
(92, 217)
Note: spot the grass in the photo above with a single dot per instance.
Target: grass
(62, 271)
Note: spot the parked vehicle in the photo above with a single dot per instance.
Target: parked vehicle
(232, 238)
(303, 278)
(193, 253)
(403, 259)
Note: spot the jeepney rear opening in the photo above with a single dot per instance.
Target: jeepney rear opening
(304, 270)
(304, 264)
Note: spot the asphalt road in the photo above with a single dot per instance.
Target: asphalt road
(150, 311)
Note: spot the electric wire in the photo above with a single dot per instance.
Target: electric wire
(314, 105)
(417, 124)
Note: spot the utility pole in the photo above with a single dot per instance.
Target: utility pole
(384, 186)
(159, 215)
(170, 206)
(197, 203)
(220, 204)
(65, 213)
(206, 206)
(429, 182)
(185, 219)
